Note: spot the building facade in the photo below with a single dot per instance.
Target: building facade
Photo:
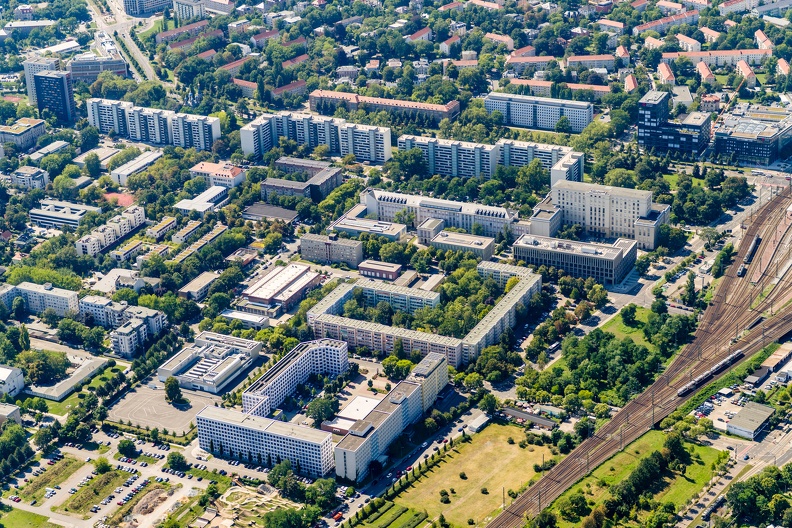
(330, 249)
(454, 158)
(54, 93)
(30, 177)
(539, 112)
(688, 134)
(34, 66)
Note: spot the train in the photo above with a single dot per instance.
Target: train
(719, 367)
(752, 249)
(741, 270)
(717, 503)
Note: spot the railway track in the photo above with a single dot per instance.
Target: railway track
(727, 317)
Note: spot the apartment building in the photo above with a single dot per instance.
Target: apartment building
(454, 158)
(30, 177)
(372, 144)
(163, 227)
(331, 249)
(324, 357)
(611, 212)
(188, 10)
(737, 6)
(36, 65)
(325, 102)
(23, 133)
(606, 61)
(401, 299)
(539, 112)
(721, 58)
(199, 244)
(521, 64)
(665, 74)
(129, 338)
(149, 125)
(564, 163)
(687, 43)
(194, 29)
(55, 93)
(664, 24)
(181, 236)
(210, 362)
(745, 71)
(369, 438)
(145, 7)
(128, 251)
(39, 297)
(608, 264)
(97, 310)
(114, 230)
(57, 213)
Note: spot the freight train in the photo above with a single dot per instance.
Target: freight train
(718, 368)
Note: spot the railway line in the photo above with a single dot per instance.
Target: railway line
(728, 325)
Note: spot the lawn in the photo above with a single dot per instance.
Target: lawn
(677, 488)
(63, 407)
(96, 491)
(617, 327)
(673, 181)
(54, 475)
(223, 481)
(157, 28)
(23, 519)
(511, 467)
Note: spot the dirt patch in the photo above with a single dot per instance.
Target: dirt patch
(151, 501)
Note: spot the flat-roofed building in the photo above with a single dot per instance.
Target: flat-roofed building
(12, 380)
(208, 201)
(39, 297)
(162, 228)
(368, 438)
(211, 362)
(30, 177)
(128, 251)
(539, 112)
(282, 285)
(323, 179)
(57, 213)
(121, 174)
(114, 230)
(754, 134)
(198, 288)
(751, 421)
(607, 263)
(376, 269)
(454, 158)
(482, 247)
(248, 320)
(330, 249)
(10, 412)
(354, 222)
(564, 163)
(720, 58)
(52, 148)
(324, 357)
(181, 236)
(129, 338)
(234, 434)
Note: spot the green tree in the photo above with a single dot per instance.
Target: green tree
(489, 403)
(563, 126)
(177, 461)
(92, 165)
(102, 466)
(628, 314)
(173, 391)
(127, 448)
(321, 409)
(473, 381)
(19, 308)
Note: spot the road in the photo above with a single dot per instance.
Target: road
(123, 23)
(724, 319)
(152, 471)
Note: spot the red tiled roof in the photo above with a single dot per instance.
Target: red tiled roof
(236, 63)
(630, 83)
(362, 99)
(245, 84)
(584, 58)
(183, 29)
(289, 87)
(295, 61)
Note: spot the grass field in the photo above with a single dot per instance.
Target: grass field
(157, 28)
(22, 519)
(54, 475)
(617, 327)
(98, 489)
(510, 468)
(673, 181)
(677, 489)
(63, 407)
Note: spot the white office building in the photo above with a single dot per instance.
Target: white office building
(369, 438)
(145, 7)
(449, 157)
(12, 380)
(32, 67)
(611, 212)
(150, 125)
(210, 200)
(211, 362)
(367, 143)
(539, 112)
(325, 357)
(56, 213)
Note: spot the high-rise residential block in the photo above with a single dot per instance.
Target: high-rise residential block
(34, 66)
(54, 93)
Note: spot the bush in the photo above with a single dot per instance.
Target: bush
(484, 491)
(463, 476)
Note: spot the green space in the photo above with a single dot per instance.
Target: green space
(157, 28)
(139, 458)
(394, 516)
(677, 487)
(54, 475)
(223, 481)
(481, 469)
(617, 327)
(96, 490)
(62, 408)
(673, 181)
(22, 519)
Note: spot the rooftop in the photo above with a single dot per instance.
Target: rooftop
(257, 423)
(601, 251)
(752, 416)
(463, 239)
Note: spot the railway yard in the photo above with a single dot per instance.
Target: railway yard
(751, 308)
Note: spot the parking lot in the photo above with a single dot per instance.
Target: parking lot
(145, 406)
(721, 409)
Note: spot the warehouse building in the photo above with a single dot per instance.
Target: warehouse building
(331, 249)
(282, 286)
(607, 263)
(751, 421)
